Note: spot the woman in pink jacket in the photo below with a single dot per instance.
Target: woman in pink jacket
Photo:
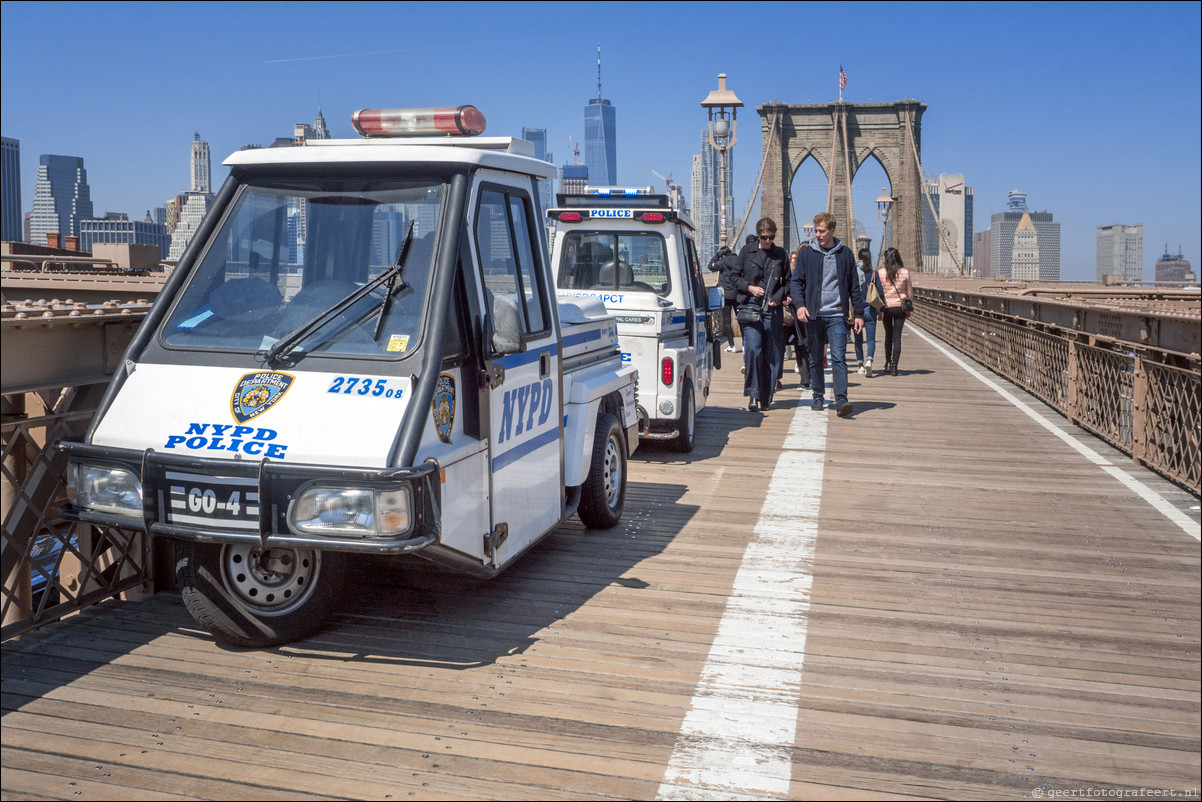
(899, 302)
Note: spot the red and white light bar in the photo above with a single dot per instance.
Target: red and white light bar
(585, 214)
(445, 121)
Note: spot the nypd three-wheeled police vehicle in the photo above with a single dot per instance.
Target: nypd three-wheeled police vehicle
(361, 352)
(630, 249)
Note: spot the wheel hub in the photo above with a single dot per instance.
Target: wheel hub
(613, 473)
(273, 581)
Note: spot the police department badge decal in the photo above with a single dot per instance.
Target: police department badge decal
(442, 409)
(258, 392)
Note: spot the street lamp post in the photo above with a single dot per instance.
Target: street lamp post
(722, 134)
(884, 205)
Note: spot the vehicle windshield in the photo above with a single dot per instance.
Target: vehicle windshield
(287, 253)
(587, 262)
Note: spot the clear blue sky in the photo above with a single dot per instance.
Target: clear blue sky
(1091, 108)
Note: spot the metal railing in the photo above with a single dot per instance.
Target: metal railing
(1141, 397)
(52, 567)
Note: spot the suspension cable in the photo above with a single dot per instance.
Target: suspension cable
(930, 204)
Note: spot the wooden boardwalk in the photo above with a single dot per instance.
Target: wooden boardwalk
(978, 611)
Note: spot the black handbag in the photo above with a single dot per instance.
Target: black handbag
(907, 305)
(749, 313)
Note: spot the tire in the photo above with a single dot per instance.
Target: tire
(683, 442)
(604, 492)
(233, 594)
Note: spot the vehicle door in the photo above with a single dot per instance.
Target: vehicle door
(700, 322)
(525, 409)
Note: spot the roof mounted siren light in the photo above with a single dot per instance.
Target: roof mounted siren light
(444, 121)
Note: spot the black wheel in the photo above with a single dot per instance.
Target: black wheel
(683, 442)
(604, 491)
(248, 596)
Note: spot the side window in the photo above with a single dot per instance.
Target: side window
(536, 317)
(694, 268)
(507, 260)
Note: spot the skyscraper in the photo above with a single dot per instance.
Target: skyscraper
(195, 202)
(1043, 234)
(600, 137)
(573, 179)
(61, 198)
(546, 187)
(303, 132)
(202, 173)
(953, 202)
(1173, 267)
(707, 187)
(117, 227)
(1121, 251)
(10, 204)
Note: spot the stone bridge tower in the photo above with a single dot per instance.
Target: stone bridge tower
(840, 137)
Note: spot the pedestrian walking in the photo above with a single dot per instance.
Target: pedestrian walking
(725, 315)
(824, 285)
(899, 302)
(731, 266)
(866, 340)
(762, 284)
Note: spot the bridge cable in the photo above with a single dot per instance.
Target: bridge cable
(930, 204)
(759, 180)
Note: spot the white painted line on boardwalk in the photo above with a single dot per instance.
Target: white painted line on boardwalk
(736, 739)
(1159, 502)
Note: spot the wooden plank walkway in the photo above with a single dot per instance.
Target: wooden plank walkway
(989, 615)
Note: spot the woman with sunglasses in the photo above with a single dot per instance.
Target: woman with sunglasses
(763, 282)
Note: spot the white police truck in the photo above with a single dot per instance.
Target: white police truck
(628, 248)
(361, 352)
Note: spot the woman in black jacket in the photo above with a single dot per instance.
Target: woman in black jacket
(762, 283)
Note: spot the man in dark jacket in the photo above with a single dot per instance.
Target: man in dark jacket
(729, 264)
(824, 286)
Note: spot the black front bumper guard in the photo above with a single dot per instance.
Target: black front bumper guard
(278, 485)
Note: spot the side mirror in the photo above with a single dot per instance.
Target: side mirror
(507, 335)
(716, 298)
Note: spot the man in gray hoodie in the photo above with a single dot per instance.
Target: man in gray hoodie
(824, 286)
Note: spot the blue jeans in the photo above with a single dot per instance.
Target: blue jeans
(774, 344)
(823, 331)
(757, 380)
(869, 334)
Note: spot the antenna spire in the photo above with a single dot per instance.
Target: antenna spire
(599, 71)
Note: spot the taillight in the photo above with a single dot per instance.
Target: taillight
(570, 217)
(652, 217)
(667, 370)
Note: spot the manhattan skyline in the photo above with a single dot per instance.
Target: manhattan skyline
(1083, 107)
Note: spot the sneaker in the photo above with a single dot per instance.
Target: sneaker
(867, 371)
(844, 409)
(818, 405)
(861, 369)
(730, 349)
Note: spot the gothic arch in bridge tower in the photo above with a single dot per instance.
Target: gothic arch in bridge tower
(841, 137)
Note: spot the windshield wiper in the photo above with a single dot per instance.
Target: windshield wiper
(392, 276)
(395, 283)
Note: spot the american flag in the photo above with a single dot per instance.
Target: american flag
(842, 79)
